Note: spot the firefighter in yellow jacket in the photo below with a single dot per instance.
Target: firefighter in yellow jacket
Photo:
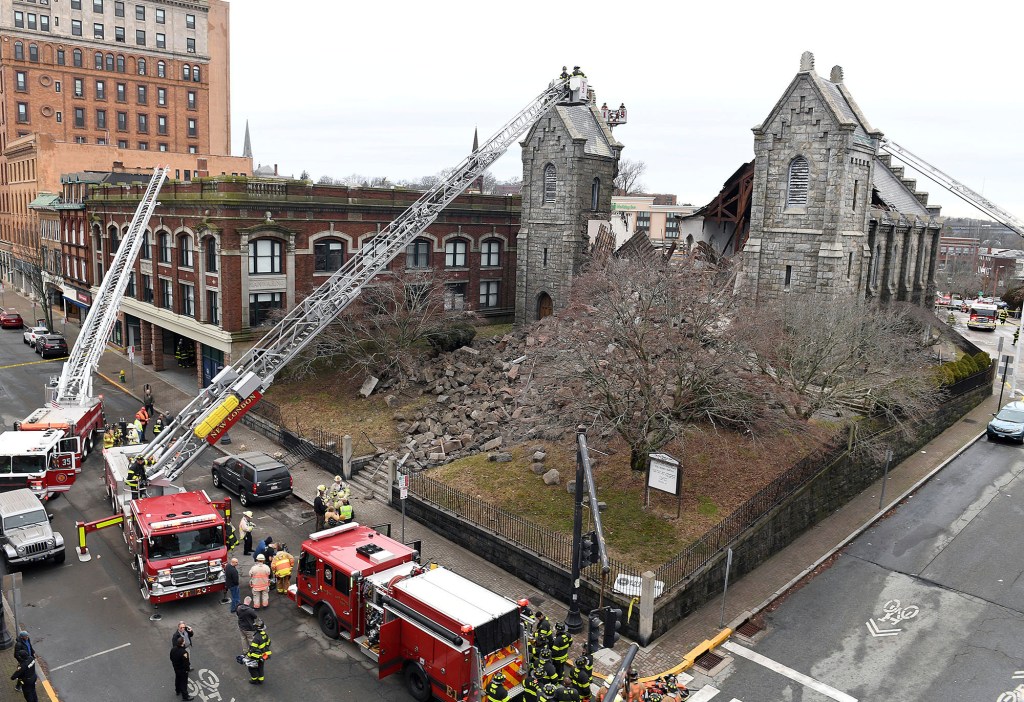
(281, 566)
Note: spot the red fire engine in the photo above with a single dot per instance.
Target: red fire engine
(41, 460)
(83, 421)
(447, 635)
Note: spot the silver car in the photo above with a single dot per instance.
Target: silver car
(1008, 423)
(25, 532)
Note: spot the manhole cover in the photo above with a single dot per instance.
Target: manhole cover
(749, 629)
(707, 661)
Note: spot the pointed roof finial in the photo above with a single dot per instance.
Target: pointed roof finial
(247, 146)
(806, 62)
(837, 74)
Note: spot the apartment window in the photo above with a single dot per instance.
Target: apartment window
(19, 51)
(113, 240)
(97, 31)
(455, 296)
(160, 16)
(31, 20)
(550, 183)
(190, 45)
(161, 124)
(143, 123)
(122, 92)
(122, 143)
(262, 305)
(212, 307)
(671, 227)
(190, 21)
(191, 102)
(76, 58)
(161, 41)
(455, 253)
(142, 94)
(161, 69)
(59, 116)
(193, 149)
(162, 146)
(33, 53)
(185, 251)
(56, 86)
(79, 87)
(19, 20)
(44, 23)
(328, 256)
(195, 74)
(187, 295)
(119, 9)
(147, 246)
(97, 6)
(140, 37)
(143, 146)
(119, 34)
(211, 255)
(489, 294)
(80, 117)
(490, 253)
(81, 140)
(264, 256)
(161, 96)
(186, 72)
(140, 12)
(60, 57)
(23, 112)
(101, 90)
(98, 61)
(122, 125)
(799, 178)
(76, 4)
(101, 119)
(193, 130)
(20, 81)
(141, 66)
(147, 288)
(417, 254)
(120, 64)
(130, 289)
(76, 28)
(166, 295)
(164, 242)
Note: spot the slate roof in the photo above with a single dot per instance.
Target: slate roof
(896, 196)
(584, 122)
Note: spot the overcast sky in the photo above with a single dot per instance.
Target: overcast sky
(396, 88)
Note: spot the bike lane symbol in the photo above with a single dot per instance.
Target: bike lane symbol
(894, 614)
(205, 686)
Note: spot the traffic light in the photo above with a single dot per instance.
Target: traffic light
(589, 552)
(612, 624)
(594, 630)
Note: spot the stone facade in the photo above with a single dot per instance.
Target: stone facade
(828, 215)
(577, 144)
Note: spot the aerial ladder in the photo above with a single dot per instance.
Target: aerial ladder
(75, 384)
(236, 388)
(954, 186)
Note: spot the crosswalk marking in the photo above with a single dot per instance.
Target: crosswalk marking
(704, 694)
(805, 680)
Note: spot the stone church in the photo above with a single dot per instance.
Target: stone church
(829, 215)
(570, 160)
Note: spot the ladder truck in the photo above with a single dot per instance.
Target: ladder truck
(239, 386)
(62, 433)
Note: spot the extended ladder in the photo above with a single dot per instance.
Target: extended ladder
(236, 388)
(954, 186)
(75, 384)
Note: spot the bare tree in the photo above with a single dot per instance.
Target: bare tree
(841, 357)
(627, 182)
(37, 261)
(641, 348)
(392, 326)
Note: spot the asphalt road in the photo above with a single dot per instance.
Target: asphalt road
(100, 640)
(926, 605)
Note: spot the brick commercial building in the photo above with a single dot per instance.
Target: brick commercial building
(87, 83)
(223, 253)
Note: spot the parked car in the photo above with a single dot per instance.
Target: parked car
(52, 346)
(25, 532)
(1008, 423)
(10, 319)
(32, 333)
(253, 476)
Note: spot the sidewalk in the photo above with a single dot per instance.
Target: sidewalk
(746, 596)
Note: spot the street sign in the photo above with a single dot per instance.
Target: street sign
(403, 482)
(131, 354)
(403, 492)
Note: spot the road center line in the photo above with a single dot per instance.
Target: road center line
(33, 363)
(804, 680)
(101, 653)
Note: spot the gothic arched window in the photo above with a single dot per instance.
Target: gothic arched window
(550, 183)
(799, 176)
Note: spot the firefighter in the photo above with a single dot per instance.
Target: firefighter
(634, 688)
(345, 513)
(951, 319)
(1016, 335)
(259, 652)
(281, 566)
(320, 507)
(548, 693)
(580, 678)
(136, 479)
(531, 688)
(496, 691)
(568, 693)
(158, 425)
(246, 526)
(232, 537)
(546, 671)
(560, 644)
(565, 73)
(532, 648)
(542, 630)
(141, 422)
(131, 435)
(1003, 314)
(108, 437)
(339, 490)
(587, 659)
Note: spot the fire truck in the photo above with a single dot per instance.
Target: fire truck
(446, 635)
(43, 461)
(83, 421)
(239, 386)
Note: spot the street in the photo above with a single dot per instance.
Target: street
(100, 640)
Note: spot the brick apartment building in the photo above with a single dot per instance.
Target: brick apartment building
(222, 254)
(85, 84)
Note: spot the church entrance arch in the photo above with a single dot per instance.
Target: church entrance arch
(544, 306)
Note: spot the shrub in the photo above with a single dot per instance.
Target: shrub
(982, 360)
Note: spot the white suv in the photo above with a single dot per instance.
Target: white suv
(32, 333)
(25, 532)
